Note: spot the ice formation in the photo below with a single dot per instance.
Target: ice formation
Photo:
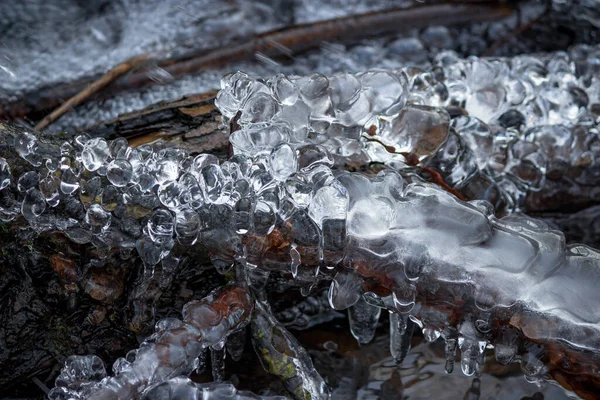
(387, 241)
(172, 351)
(523, 129)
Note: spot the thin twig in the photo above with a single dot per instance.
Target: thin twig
(91, 89)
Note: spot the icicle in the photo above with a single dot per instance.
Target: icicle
(471, 356)
(217, 360)
(450, 336)
(295, 255)
(363, 319)
(401, 331)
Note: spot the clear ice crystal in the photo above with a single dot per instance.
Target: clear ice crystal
(119, 172)
(34, 204)
(94, 154)
(363, 320)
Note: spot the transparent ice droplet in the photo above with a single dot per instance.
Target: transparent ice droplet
(97, 218)
(81, 369)
(383, 89)
(253, 141)
(211, 182)
(363, 320)
(431, 334)
(95, 152)
(329, 202)
(166, 170)
(160, 223)
(68, 182)
(151, 251)
(25, 144)
(242, 214)
(285, 91)
(187, 227)
(299, 190)
(27, 181)
(344, 290)
(263, 218)
(49, 186)
(34, 204)
(477, 136)
(90, 190)
(313, 86)
(169, 194)
(110, 198)
(418, 130)
(283, 161)
(471, 357)
(119, 148)
(227, 103)
(119, 172)
(261, 107)
(345, 89)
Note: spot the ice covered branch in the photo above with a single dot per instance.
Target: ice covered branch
(386, 241)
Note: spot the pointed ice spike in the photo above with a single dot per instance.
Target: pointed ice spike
(401, 331)
(363, 320)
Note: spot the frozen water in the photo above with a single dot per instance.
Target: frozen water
(279, 204)
(170, 352)
(363, 319)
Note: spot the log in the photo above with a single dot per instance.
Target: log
(192, 122)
